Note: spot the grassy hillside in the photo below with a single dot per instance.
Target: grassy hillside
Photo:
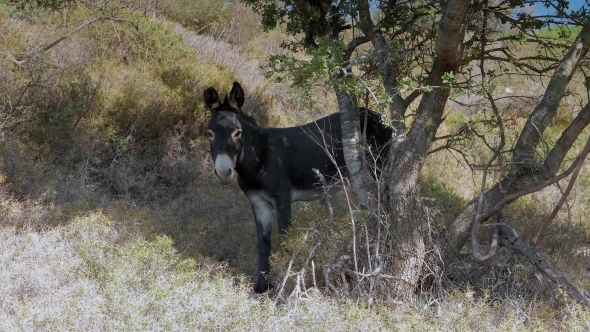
(110, 218)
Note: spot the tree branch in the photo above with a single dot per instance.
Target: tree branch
(531, 133)
(536, 187)
(558, 206)
(566, 140)
(497, 151)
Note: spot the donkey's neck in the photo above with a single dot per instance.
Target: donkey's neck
(250, 164)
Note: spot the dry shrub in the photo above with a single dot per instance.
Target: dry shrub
(121, 111)
(311, 245)
(346, 255)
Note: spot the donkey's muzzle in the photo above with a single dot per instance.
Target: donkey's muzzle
(224, 169)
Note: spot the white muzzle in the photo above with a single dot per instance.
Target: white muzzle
(224, 168)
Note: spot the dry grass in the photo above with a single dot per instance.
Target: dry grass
(88, 276)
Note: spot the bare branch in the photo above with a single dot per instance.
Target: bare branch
(354, 43)
(558, 206)
(497, 151)
(287, 274)
(62, 38)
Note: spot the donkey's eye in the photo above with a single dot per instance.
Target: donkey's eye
(238, 134)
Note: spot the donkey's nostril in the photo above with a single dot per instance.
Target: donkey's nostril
(225, 175)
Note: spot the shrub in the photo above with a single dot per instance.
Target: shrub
(117, 114)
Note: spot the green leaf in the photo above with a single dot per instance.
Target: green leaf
(448, 79)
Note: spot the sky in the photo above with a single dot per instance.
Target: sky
(574, 5)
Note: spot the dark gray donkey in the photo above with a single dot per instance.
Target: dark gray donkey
(274, 166)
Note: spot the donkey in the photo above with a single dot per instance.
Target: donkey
(274, 166)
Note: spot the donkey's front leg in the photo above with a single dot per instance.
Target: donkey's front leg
(263, 213)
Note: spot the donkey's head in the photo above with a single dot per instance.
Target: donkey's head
(225, 131)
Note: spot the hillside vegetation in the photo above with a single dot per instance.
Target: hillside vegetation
(110, 218)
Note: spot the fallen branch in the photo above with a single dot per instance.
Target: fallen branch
(545, 272)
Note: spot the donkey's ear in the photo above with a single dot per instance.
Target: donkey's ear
(236, 95)
(211, 98)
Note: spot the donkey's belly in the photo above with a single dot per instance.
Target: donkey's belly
(311, 194)
(305, 195)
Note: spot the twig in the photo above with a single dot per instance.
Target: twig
(287, 274)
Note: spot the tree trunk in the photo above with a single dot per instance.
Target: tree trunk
(407, 216)
(407, 209)
(359, 175)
